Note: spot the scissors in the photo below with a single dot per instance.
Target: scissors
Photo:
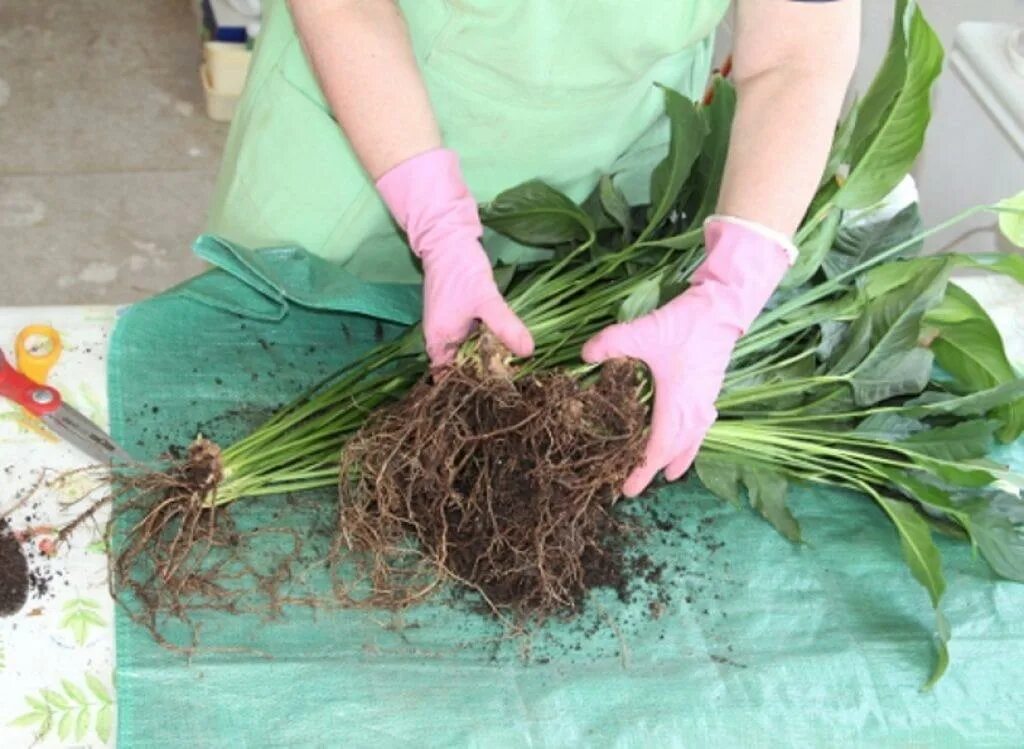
(25, 387)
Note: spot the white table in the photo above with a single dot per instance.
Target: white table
(63, 640)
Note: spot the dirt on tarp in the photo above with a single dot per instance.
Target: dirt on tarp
(504, 485)
(14, 572)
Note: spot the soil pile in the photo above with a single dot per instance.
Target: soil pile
(14, 574)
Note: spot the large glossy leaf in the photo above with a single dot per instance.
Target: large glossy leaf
(858, 243)
(537, 214)
(711, 164)
(688, 130)
(969, 347)
(882, 355)
(895, 112)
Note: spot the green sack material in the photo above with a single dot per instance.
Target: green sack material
(757, 643)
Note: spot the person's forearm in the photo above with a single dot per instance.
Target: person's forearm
(362, 55)
(793, 65)
(780, 142)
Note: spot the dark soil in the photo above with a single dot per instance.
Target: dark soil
(14, 573)
(504, 486)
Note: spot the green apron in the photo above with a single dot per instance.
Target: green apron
(561, 90)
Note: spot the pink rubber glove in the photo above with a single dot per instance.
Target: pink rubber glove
(687, 343)
(429, 199)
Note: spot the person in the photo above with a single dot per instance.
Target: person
(362, 114)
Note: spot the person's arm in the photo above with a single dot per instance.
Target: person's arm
(792, 63)
(362, 54)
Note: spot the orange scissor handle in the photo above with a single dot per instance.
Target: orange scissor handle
(36, 349)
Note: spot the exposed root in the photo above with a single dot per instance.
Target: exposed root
(503, 486)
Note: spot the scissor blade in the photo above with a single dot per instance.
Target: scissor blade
(70, 425)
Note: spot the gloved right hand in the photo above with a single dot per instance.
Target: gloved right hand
(430, 201)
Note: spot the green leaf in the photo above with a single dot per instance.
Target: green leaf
(82, 724)
(882, 355)
(1011, 221)
(97, 688)
(28, 719)
(54, 699)
(963, 441)
(503, 275)
(888, 427)
(840, 151)
(614, 204)
(1010, 265)
(919, 550)
(970, 349)
(688, 130)
(974, 404)
(74, 692)
(894, 114)
(925, 493)
(958, 474)
(860, 242)
(67, 721)
(643, 299)
(536, 214)
(685, 241)
(942, 635)
(997, 528)
(813, 251)
(711, 164)
(766, 490)
(104, 722)
(720, 477)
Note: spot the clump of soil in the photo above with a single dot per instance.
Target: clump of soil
(503, 484)
(14, 573)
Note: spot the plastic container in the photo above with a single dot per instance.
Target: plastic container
(228, 66)
(220, 105)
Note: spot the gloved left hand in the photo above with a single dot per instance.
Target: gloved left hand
(687, 343)
(430, 200)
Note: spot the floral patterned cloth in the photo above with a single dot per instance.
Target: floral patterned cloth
(57, 653)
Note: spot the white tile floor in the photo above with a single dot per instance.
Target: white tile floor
(107, 158)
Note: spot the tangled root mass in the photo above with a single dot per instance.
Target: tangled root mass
(503, 485)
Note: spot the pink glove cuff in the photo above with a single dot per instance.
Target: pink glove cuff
(743, 268)
(429, 199)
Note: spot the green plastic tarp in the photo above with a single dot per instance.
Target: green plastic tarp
(753, 642)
